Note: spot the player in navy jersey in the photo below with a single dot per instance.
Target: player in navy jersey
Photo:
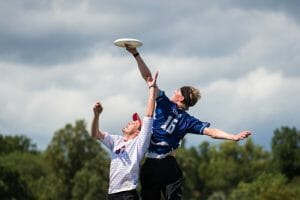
(160, 172)
(170, 126)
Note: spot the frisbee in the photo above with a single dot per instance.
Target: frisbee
(134, 43)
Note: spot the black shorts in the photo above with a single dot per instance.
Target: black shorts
(125, 195)
(161, 176)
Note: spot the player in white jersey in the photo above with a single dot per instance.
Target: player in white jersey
(128, 150)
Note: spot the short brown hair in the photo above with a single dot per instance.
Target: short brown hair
(191, 96)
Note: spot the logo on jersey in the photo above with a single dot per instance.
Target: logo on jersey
(120, 150)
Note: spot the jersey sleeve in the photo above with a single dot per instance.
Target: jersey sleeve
(144, 136)
(196, 126)
(161, 96)
(109, 140)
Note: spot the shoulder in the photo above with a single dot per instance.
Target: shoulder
(108, 136)
(194, 120)
(161, 96)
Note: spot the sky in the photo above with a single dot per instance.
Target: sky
(57, 58)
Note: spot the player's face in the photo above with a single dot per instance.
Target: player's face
(131, 127)
(177, 96)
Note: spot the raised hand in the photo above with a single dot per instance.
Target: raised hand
(152, 82)
(131, 50)
(98, 109)
(242, 135)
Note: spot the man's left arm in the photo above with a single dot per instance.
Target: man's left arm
(146, 130)
(220, 134)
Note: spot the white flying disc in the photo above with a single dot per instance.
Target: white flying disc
(129, 41)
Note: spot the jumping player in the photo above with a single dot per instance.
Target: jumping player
(127, 150)
(160, 172)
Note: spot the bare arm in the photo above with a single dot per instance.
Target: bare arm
(96, 133)
(219, 134)
(152, 95)
(145, 134)
(144, 70)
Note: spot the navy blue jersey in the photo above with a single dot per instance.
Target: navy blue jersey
(170, 125)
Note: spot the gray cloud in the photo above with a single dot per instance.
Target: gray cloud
(50, 32)
(289, 7)
(57, 59)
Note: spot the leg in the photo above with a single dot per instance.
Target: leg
(161, 175)
(173, 180)
(150, 194)
(174, 190)
(150, 181)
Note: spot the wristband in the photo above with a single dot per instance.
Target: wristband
(136, 54)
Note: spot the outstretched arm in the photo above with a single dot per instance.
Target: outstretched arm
(219, 134)
(96, 133)
(145, 134)
(152, 94)
(144, 70)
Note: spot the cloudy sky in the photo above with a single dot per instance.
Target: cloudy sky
(57, 58)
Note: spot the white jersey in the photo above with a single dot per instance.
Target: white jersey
(126, 157)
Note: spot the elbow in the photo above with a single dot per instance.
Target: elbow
(149, 114)
(214, 136)
(211, 133)
(146, 76)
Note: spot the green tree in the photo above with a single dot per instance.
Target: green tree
(219, 173)
(30, 168)
(188, 160)
(18, 143)
(74, 156)
(21, 168)
(217, 196)
(286, 151)
(89, 183)
(266, 187)
(253, 161)
(221, 168)
(12, 186)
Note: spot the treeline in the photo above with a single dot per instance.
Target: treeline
(75, 166)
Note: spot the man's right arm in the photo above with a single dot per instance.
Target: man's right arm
(152, 95)
(145, 134)
(96, 133)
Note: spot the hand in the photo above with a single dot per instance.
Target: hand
(151, 81)
(98, 109)
(131, 50)
(242, 135)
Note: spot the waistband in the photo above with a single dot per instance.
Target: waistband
(160, 156)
